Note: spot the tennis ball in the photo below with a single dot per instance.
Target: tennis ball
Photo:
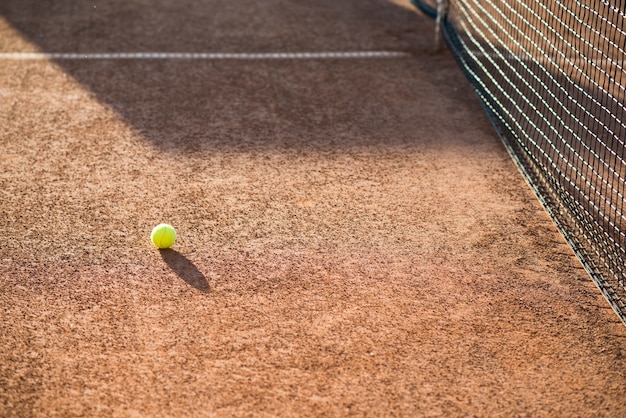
(163, 236)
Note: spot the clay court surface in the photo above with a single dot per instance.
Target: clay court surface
(354, 239)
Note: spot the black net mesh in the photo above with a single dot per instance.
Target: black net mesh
(551, 75)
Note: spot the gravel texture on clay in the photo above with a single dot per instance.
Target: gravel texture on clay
(353, 238)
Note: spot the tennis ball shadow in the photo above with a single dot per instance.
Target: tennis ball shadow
(185, 269)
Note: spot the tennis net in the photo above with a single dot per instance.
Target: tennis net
(551, 76)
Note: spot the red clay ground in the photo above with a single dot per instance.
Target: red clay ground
(353, 237)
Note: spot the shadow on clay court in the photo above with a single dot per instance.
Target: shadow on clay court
(185, 269)
(196, 105)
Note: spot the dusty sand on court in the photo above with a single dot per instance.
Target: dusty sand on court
(354, 239)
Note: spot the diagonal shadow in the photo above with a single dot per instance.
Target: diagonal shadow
(185, 269)
(190, 106)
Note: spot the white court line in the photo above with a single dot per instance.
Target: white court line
(552, 59)
(199, 55)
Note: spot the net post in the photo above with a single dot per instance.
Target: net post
(442, 12)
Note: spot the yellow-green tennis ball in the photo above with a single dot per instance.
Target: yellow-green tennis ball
(163, 236)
